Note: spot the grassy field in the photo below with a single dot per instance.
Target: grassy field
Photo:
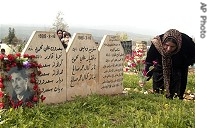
(130, 110)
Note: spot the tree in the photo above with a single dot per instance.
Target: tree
(59, 23)
(11, 38)
(123, 36)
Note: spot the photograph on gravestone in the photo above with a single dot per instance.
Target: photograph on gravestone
(51, 54)
(19, 87)
(18, 81)
(82, 66)
(111, 57)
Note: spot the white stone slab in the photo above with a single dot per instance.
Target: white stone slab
(49, 51)
(82, 66)
(111, 57)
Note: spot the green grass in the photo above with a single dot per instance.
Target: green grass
(131, 110)
(131, 81)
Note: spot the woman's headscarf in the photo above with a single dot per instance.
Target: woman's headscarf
(166, 57)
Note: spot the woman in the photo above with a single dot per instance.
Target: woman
(60, 34)
(66, 39)
(172, 53)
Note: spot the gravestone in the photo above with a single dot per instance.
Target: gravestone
(50, 53)
(82, 66)
(111, 57)
(127, 46)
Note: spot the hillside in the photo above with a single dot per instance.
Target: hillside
(24, 32)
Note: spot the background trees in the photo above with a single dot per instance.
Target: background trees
(59, 23)
(123, 36)
(11, 38)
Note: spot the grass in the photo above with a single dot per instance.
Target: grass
(131, 110)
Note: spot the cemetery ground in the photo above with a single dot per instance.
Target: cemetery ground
(131, 109)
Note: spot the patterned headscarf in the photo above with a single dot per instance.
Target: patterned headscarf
(166, 57)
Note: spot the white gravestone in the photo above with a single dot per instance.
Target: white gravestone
(82, 66)
(50, 53)
(111, 57)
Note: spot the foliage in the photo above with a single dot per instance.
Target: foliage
(60, 23)
(119, 111)
(134, 63)
(20, 62)
(20, 47)
(123, 36)
(11, 38)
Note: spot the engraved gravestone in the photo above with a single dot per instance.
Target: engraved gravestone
(111, 56)
(82, 66)
(50, 53)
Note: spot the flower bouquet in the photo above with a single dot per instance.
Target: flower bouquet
(18, 75)
(135, 63)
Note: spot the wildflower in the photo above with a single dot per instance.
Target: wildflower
(26, 64)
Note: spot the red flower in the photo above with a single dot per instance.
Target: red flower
(35, 87)
(18, 54)
(144, 72)
(126, 69)
(43, 98)
(138, 61)
(139, 55)
(1, 80)
(39, 66)
(35, 99)
(25, 56)
(32, 56)
(33, 74)
(29, 104)
(134, 52)
(13, 104)
(20, 102)
(11, 57)
(33, 65)
(1, 94)
(1, 105)
(32, 80)
(141, 51)
(14, 64)
(1, 85)
(133, 65)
